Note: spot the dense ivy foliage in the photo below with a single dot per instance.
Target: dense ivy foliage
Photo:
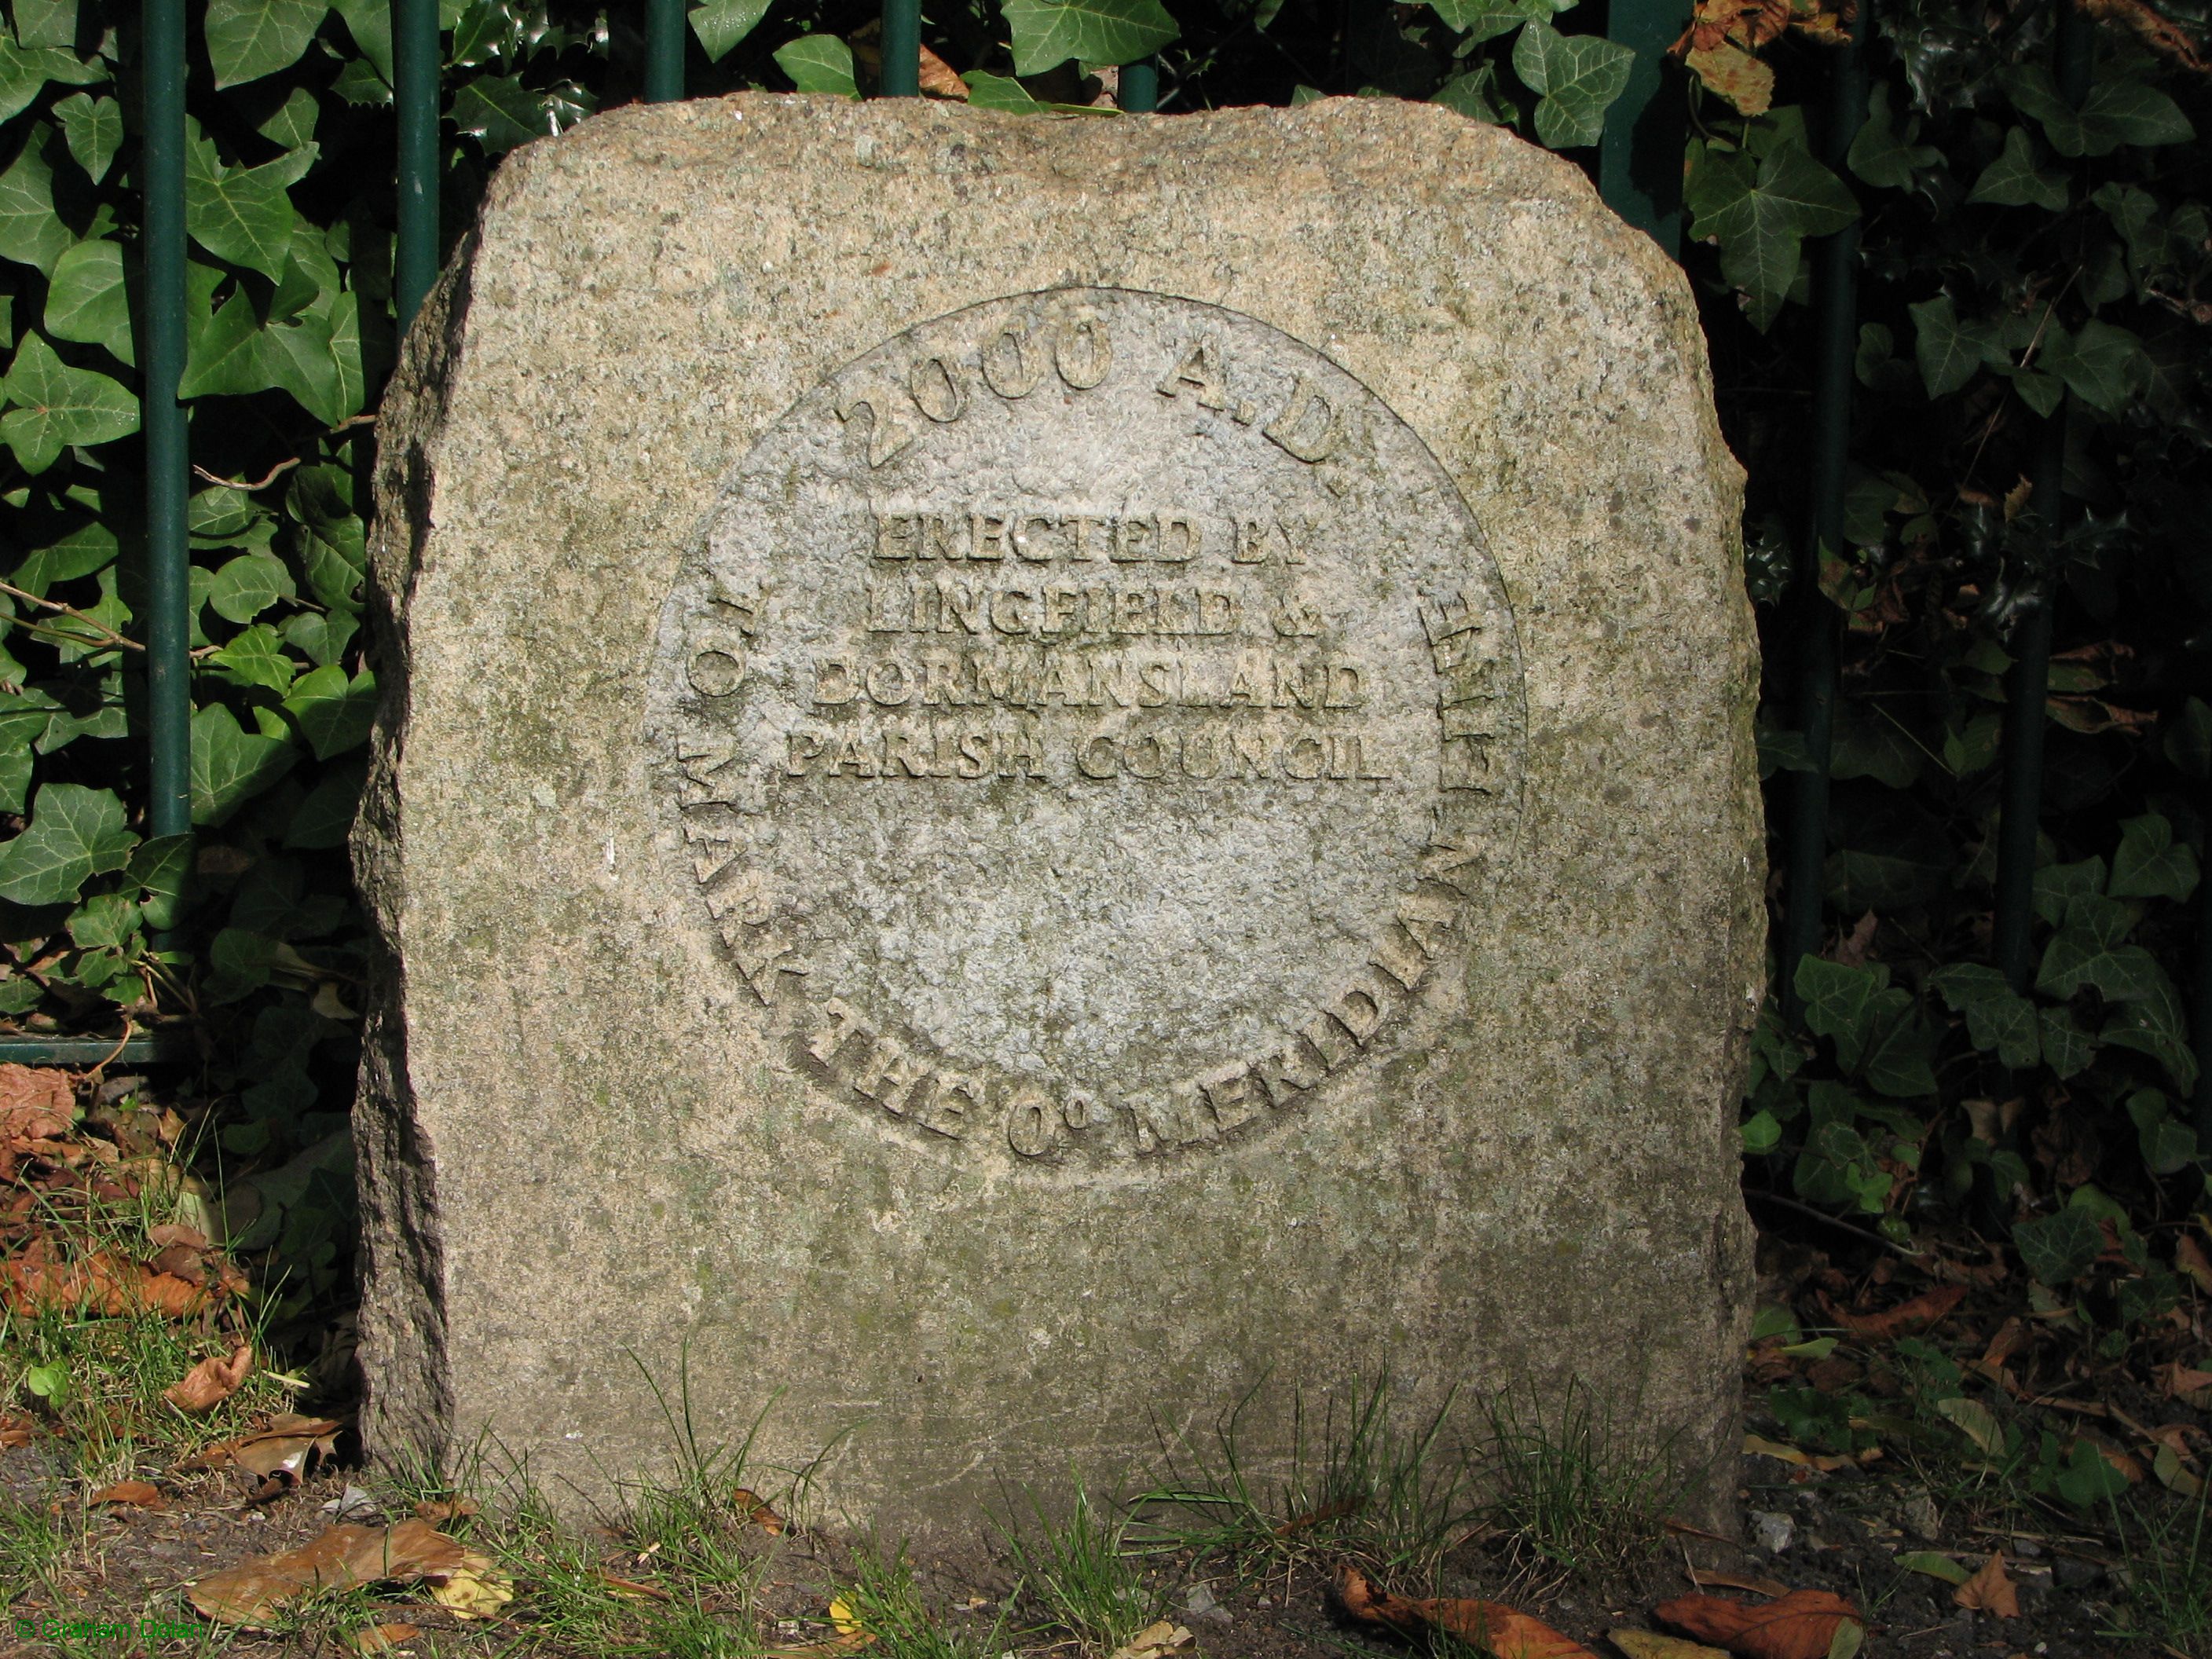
(2022, 250)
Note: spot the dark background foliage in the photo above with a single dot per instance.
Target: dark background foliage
(2025, 248)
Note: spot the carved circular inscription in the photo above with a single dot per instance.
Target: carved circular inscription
(1090, 718)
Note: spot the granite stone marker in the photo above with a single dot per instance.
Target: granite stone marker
(1038, 769)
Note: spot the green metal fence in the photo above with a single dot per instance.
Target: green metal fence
(1638, 170)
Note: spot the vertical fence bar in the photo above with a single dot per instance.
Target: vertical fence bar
(901, 76)
(663, 51)
(1835, 276)
(2029, 684)
(1139, 92)
(168, 568)
(414, 61)
(1639, 170)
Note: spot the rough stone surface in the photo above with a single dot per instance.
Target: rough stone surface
(1035, 770)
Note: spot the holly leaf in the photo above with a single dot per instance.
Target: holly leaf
(58, 405)
(86, 299)
(819, 62)
(74, 834)
(92, 129)
(720, 24)
(2014, 180)
(500, 112)
(1579, 77)
(230, 765)
(249, 38)
(2151, 863)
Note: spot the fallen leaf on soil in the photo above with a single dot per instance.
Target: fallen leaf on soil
(1990, 1591)
(1492, 1626)
(380, 1638)
(285, 1443)
(1147, 1644)
(1802, 1624)
(211, 1382)
(1820, 1462)
(171, 1234)
(938, 78)
(438, 1510)
(138, 1494)
(102, 1285)
(1321, 1517)
(1650, 1644)
(1977, 1422)
(2174, 1474)
(852, 1636)
(341, 1558)
(1906, 1318)
(1707, 1578)
(36, 1104)
(1935, 1564)
(631, 1587)
(2178, 1382)
(16, 1431)
(475, 1588)
(2189, 1256)
(754, 1508)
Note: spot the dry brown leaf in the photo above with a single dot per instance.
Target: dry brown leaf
(2178, 1382)
(1816, 1462)
(286, 1443)
(171, 1234)
(36, 1103)
(104, 1284)
(1490, 1625)
(938, 78)
(631, 1587)
(1154, 1641)
(851, 1637)
(754, 1508)
(1321, 1517)
(437, 1511)
(473, 1587)
(380, 1638)
(1706, 1578)
(1990, 1591)
(211, 1382)
(15, 1430)
(2189, 1257)
(1650, 1644)
(1802, 1624)
(2161, 34)
(1905, 1319)
(136, 1494)
(341, 1558)
(1733, 73)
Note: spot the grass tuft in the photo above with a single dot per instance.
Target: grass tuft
(1078, 1570)
(1572, 1488)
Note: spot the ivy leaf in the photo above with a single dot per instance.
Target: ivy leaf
(248, 585)
(76, 552)
(24, 71)
(2125, 111)
(2056, 885)
(1947, 352)
(1900, 1060)
(31, 231)
(1047, 33)
(1000, 92)
(1761, 210)
(819, 62)
(46, 22)
(2103, 364)
(230, 765)
(74, 834)
(1844, 1003)
(249, 38)
(334, 714)
(1579, 77)
(369, 22)
(86, 299)
(224, 355)
(92, 129)
(1997, 1019)
(1486, 20)
(256, 656)
(2189, 738)
(2087, 950)
(2067, 1049)
(325, 815)
(2013, 181)
(298, 358)
(2058, 1250)
(162, 868)
(2153, 1023)
(2168, 1147)
(244, 215)
(2151, 863)
(720, 24)
(1880, 154)
(58, 405)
